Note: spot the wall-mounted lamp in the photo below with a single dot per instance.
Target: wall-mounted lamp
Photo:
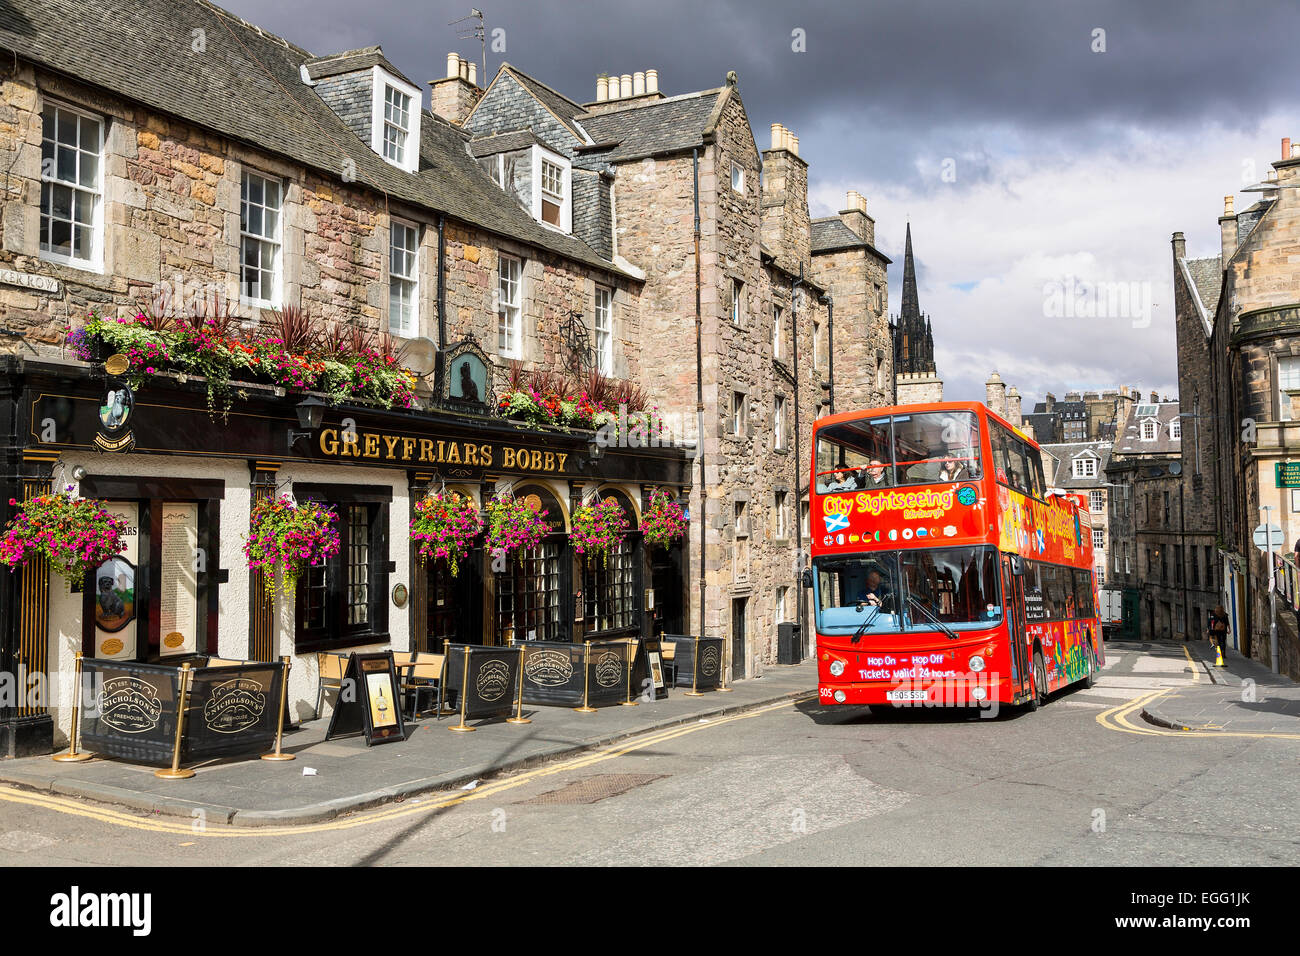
(79, 473)
(311, 412)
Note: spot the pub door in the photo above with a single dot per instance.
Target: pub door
(455, 613)
(738, 607)
(666, 580)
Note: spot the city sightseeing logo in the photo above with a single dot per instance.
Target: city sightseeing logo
(913, 504)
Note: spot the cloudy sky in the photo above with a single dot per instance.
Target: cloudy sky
(1041, 150)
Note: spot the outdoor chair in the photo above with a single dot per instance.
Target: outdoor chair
(667, 653)
(333, 667)
(422, 678)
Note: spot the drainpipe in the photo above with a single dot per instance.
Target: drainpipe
(830, 343)
(798, 463)
(442, 281)
(699, 383)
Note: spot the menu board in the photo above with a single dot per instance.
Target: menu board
(178, 588)
(114, 590)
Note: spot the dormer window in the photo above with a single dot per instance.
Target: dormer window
(1149, 430)
(1085, 466)
(551, 197)
(395, 121)
(1176, 429)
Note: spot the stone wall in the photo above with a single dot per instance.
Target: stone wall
(863, 348)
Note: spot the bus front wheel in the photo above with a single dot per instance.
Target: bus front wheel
(1091, 679)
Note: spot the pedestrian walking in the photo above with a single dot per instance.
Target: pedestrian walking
(1218, 632)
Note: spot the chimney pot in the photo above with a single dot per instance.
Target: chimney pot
(625, 85)
(453, 65)
(1227, 205)
(638, 83)
(652, 81)
(1286, 147)
(794, 144)
(473, 73)
(464, 69)
(602, 89)
(776, 135)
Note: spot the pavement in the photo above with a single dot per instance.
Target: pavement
(1242, 697)
(349, 776)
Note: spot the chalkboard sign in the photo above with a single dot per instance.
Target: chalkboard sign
(369, 702)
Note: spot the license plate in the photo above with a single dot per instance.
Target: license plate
(906, 695)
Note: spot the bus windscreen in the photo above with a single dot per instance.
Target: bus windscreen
(884, 452)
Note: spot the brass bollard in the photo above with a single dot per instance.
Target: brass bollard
(695, 672)
(462, 727)
(629, 658)
(73, 756)
(519, 717)
(176, 773)
(586, 707)
(277, 754)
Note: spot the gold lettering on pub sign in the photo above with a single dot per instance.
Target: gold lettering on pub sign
(350, 444)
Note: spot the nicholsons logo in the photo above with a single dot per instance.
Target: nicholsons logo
(549, 668)
(493, 680)
(130, 705)
(609, 669)
(234, 706)
(74, 909)
(709, 661)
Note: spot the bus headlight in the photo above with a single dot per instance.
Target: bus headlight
(976, 664)
(979, 693)
(837, 668)
(840, 697)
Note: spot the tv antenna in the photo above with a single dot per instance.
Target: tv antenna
(473, 31)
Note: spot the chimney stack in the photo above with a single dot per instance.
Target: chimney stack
(1014, 411)
(1228, 230)
(612, 90)
(855, 218)
(995, 391)
(455, 95)
(785, 202)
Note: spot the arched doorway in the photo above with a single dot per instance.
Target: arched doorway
(611, 590)
(532, 589)
(454, 613)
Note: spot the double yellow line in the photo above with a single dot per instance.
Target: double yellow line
(1117, 718)
(121, 818)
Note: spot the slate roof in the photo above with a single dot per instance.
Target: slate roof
(669, 125)
(248, 88)
(1130, 444)
(565, 109)
(352, 60)
(831, 235)
(1207, 274)
(505, 143)
(1066, 452)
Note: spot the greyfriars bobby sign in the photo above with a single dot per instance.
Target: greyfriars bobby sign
(466, 379)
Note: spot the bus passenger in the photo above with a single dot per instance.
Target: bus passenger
(875, 475)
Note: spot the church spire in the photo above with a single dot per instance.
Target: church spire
(911, 307)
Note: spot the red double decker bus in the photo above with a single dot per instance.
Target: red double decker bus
(944, 570)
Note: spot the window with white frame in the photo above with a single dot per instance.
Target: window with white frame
(509, 311)
(778, 423)
(780, 527)
(260, 206)
(1097, 501)
(777, 313)
(1149, 430)
(604, 330)
(1176, 429)
(403, 278)
(395, 120)
(1085, 466)
(1098, 539)
(71, 186)
(1288, 387)
(738, 413)
(737, 302)
(817, 345)
(737, 178)
(779, 611)
(552, 178)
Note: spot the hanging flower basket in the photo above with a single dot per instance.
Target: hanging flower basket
(445, 526)
(289, 538)
(74, 534)
(512, 525)
(664, 521)
(598, 529)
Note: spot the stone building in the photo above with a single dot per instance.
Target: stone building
(916, 378)
(1166, 582)
(252, 175)
(755, 321)
(1239, 371)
